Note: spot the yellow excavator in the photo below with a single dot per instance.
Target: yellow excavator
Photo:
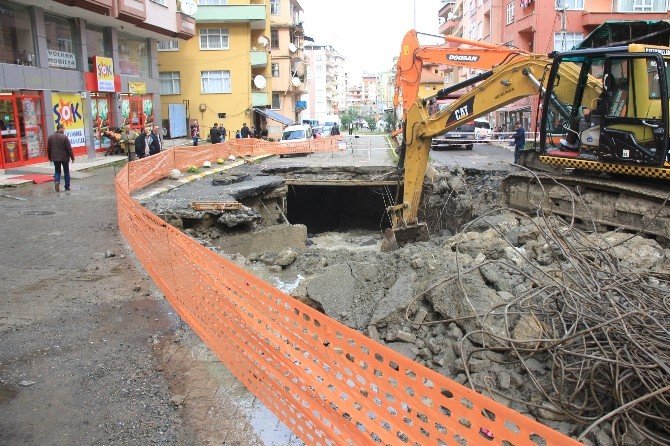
(625, 87)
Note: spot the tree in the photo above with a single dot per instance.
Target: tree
(348, 116)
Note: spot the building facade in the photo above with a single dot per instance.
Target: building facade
(535, 26)
(90, 65)
(326, 82)
(223, 75)
(289, 64)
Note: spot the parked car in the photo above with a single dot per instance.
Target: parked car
(458, 137)
(296, 133)
(322, 130)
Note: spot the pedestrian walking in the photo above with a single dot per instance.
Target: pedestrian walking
(519, 141)
(195, 132)
(59, 151)
(351, 129)
(141, 144)
(215, 134)
(244, 133)
(154, 141)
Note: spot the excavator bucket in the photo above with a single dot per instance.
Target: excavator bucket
(411, 233)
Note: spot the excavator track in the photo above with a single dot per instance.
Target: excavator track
(634, 204)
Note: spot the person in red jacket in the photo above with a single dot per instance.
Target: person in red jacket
(59, 151)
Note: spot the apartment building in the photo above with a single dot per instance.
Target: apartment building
(538, 27)
(289, 64)
(223, 75)
(326, 82)
(87, 64)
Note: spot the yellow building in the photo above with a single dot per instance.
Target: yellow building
(223, 74)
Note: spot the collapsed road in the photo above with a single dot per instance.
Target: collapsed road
(478, 302)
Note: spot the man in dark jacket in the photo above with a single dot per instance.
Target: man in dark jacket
(222, 133)
(519, 141)
(59, 151)
(154, 141)
(245, 131)
(215, 134)
(141, 144)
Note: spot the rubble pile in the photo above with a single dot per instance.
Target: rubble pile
(498, 307)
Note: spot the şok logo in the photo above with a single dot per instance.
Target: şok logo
(66, 113)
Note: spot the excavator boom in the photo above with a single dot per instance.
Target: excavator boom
(477, 55)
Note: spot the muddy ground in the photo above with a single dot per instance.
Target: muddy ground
(90, 352)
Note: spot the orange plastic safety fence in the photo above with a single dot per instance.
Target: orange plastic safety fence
(330, 384)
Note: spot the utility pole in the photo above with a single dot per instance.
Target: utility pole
(414, 14)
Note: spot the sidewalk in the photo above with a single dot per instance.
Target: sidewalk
(12, 177)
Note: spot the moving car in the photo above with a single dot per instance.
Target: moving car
(461, 136)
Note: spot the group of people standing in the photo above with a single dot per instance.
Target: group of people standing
(149, 142)
(218, 133)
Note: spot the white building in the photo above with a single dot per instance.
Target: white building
(326, 82)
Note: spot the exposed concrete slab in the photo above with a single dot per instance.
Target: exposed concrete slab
(272, 239)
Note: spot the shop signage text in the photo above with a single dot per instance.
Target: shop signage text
(61, 59)
(104, 73)
(137, 87)
(67, 110)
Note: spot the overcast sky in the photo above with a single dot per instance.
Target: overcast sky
(368, 33)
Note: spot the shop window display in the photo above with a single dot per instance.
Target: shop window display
(61, 42)
(98, 44)
(17, 45)
(21, 131)
(137, 111)
(133, 56)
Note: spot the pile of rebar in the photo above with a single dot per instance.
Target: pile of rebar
(603, 329)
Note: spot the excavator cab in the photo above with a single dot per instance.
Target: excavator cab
(616, 112)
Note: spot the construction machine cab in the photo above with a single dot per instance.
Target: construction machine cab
(626, 90)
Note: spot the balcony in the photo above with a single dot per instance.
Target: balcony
(259, 59)
(593, 19)
(132, 11)
(253, 14)
(260, 99)
(103, 7)
(185, 26)
(448, 27)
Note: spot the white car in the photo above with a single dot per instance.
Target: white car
(296, 133)
(482, 129)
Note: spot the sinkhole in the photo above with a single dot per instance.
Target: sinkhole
(329, 208)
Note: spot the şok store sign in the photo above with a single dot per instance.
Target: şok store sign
(104, 73)
(68, 110)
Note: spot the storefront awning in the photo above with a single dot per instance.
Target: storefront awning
(274, 116)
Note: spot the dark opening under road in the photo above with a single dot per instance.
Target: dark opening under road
(339, 208)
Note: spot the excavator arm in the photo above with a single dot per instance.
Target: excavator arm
(478, 55)
(517, 78)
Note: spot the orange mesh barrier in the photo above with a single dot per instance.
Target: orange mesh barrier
(330, 384)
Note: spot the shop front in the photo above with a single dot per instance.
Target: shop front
(137, 107)
(22, 136)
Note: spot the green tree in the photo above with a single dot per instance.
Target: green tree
(348, 116)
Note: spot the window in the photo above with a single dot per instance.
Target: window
(16, 42)
(274, 39)
(97, 42)
(133, 55)
(275, 7)
(214, 39)
(276, 102)
(213, 2)
(319, 57)
(168, 45)
(275, 69)
(510, 13)
(565, 41)
(319, 68)
(642, 6)
(215, 81)
(160, 2)
(60, 42)
(569, 4)
(170, 82)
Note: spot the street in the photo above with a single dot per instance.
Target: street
(482, 156)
